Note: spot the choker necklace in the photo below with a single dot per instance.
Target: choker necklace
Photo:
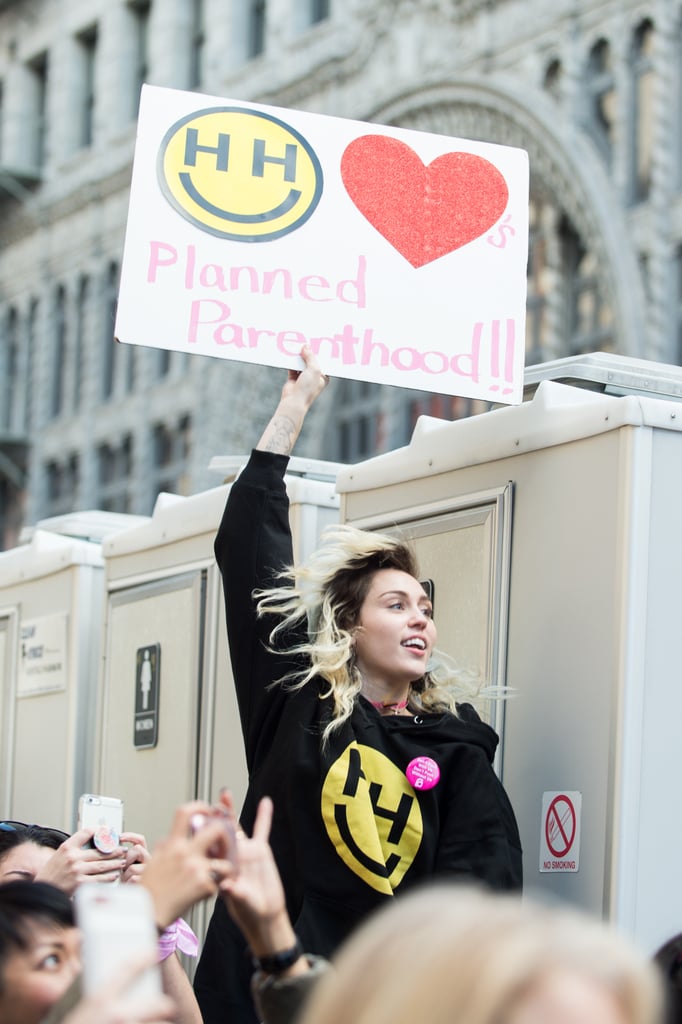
(394, 706)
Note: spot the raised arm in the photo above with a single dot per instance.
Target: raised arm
(253, 544)
(298, 394)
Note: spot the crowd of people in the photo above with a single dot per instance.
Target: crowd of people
(374, 873)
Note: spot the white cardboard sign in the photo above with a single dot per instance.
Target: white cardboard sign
(399, 256)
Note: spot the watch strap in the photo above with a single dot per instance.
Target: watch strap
(276, 963)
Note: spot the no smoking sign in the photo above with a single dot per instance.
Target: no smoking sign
(560, 831)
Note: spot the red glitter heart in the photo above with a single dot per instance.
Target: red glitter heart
(424, 211)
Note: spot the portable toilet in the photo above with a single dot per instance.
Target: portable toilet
(551, 532)
(51, 603)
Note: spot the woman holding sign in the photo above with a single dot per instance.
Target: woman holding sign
(379, 778)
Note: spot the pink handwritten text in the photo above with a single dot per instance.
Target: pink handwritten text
(490, 355)
(164, 259)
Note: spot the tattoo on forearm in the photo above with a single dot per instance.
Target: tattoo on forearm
(282, 436)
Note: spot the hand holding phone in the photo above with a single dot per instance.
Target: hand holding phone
(117, 923)
(226, 819)
(103, 814)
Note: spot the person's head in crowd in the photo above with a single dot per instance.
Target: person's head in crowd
(38, 852)
(39, 950)
(26, 849)
(369, 620)
(669, 960)
(456, 955)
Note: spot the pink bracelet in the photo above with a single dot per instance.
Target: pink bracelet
(178, 936)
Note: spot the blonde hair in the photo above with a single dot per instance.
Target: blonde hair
(328, 591)
(448, 954)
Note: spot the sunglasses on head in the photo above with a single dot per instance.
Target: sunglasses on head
(22, 826)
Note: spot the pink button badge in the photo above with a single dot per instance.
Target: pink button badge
(423, 773)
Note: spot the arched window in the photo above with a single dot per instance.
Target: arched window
(114, 472)
(59, 352)
(552, 79)
(601, 98)
(197, 45)
(537, 284)
(678, 305)
(82, 300)
(8, 367)
(31, 343)
(642, 140)
(109, 319)
(255, 42)
(588, 317)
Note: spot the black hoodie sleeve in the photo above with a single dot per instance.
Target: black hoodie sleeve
(252, 545)
(479, 838)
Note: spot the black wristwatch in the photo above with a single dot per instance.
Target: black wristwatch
(276, 963)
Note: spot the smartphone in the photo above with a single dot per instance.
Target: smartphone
(117, 926)
(105, 815)
(199, 821)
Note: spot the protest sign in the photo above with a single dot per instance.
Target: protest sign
(399, 256)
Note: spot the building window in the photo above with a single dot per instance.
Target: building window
(678, 304)
(552, 79)
(140, 10)
(2, 122)
(601, 98)
(642, 139)
(357, 421)
(588, 317)
(31, 342)
(255, 44)
(36, 99)
(442, 407)
(8, 367)
(82, 303)
(536, 294)
(197, 45)
(319, 11)
(59, 352)
(110, 346)
(129, 357)
(164, 362)
(87, 54)
(62, 486)
(171, 447)
(114, 473)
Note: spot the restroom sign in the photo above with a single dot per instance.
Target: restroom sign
(560, 831)
(147, 678)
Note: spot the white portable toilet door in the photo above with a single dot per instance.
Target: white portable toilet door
(151, 699)
(463, 546)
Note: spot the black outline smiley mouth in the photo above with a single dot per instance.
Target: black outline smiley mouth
(239, 218)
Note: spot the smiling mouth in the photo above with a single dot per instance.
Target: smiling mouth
(415, 644)
(240, 218)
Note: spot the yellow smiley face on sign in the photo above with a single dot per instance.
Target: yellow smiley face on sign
(372, 816)
(239, 173)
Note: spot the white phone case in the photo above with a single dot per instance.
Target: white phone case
(117, 923)
(101, 812)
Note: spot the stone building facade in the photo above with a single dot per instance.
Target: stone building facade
(591, 88)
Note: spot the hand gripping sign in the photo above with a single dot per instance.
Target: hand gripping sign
(399, 256)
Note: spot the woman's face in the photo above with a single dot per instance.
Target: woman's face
(35, 978)
(24, 862)
(395, 634)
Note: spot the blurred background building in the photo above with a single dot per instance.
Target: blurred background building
(591, 88)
